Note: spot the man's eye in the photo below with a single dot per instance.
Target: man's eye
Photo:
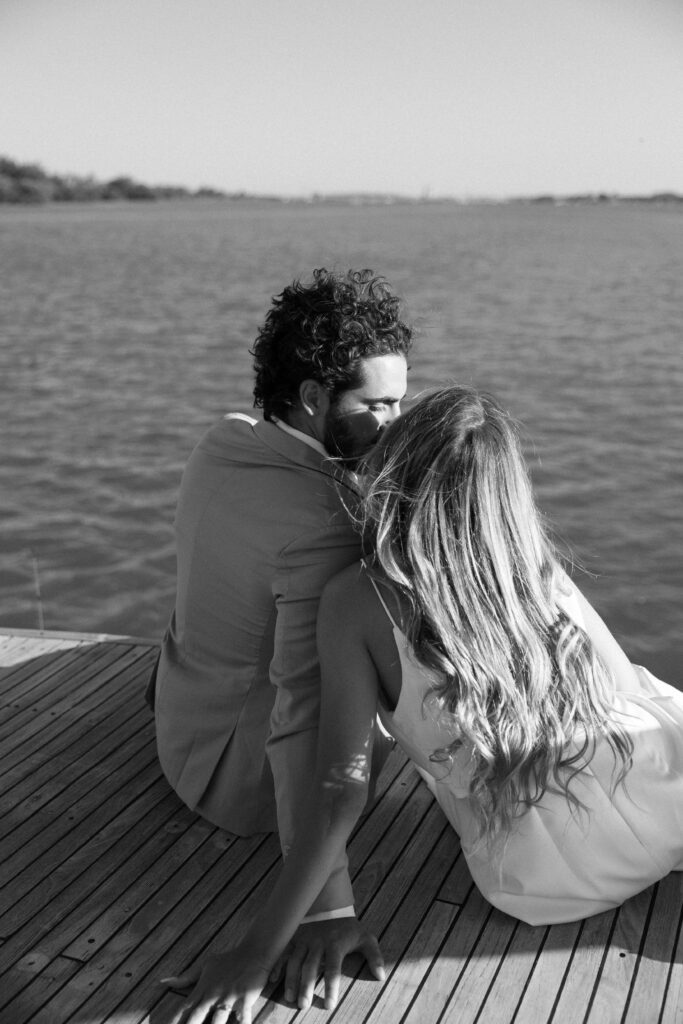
(377, 407)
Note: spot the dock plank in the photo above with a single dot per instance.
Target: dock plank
(440, 989)
(108, 883)
(514, 974)
(58, 920)
(43, 849)
(610, 1000)
(657, 953)
(27, 677)
(475, 985)
(672, 1011)
(25, 828)
(397, 995)
(62, 703)
(59, 746)
(18, 655)
(546, 982)
(28, 791)
(583, 973)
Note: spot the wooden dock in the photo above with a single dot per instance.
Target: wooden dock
(108, 883)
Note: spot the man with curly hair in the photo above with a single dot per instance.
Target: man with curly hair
(263, 522)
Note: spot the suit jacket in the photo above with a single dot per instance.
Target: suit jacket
(261, 525)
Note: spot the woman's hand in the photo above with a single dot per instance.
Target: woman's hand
(321, 948)
(224, 983)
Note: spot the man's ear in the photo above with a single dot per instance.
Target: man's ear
(314, 398)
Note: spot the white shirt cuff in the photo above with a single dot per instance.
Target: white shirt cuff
(329, 915)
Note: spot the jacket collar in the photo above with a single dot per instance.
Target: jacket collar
(302, 454)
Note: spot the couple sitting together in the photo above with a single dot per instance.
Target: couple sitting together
(340, 565)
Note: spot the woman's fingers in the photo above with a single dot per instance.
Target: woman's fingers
(221, 1013)
(333, 969)
(200, 1010)
(369, 947)
(293, 973)
(243, 1013)
(310, 972)
(182, 980)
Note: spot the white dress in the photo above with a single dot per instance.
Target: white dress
(557, 864)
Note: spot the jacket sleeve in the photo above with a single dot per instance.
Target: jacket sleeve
(306, 566)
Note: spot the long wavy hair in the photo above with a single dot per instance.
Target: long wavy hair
(451, 519)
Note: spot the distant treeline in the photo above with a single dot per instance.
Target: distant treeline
(29, 183)
(606, 197)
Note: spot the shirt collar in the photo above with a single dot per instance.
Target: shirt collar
(312, 442)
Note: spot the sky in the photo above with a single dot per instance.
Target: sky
(461, 98)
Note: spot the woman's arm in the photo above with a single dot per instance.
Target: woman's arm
(345, 740)
(338, 796)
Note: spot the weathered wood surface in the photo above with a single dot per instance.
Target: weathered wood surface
(107, 883)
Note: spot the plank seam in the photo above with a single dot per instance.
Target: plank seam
(411, 936)
(671, 967)
(639, 955)
(469, 958)
(454, 903)
(494, 976)
(530, 976)
(598, 975)
(436, 956)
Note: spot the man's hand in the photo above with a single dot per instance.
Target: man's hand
(320, 947)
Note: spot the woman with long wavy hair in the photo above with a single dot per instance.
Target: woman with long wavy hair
(559, 763)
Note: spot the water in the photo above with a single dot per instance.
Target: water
(125, 333)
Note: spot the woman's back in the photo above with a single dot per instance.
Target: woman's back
(559, 862)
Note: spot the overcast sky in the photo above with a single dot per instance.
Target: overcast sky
(463, 98)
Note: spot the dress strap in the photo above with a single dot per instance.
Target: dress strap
(379, 595)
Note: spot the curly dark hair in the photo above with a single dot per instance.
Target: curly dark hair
(322, 331)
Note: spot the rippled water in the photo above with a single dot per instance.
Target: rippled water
(125, 333)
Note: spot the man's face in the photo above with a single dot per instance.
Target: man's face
(357, 417)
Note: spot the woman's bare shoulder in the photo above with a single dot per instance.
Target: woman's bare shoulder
(350, 597)
(349, 607)
(347, 589)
